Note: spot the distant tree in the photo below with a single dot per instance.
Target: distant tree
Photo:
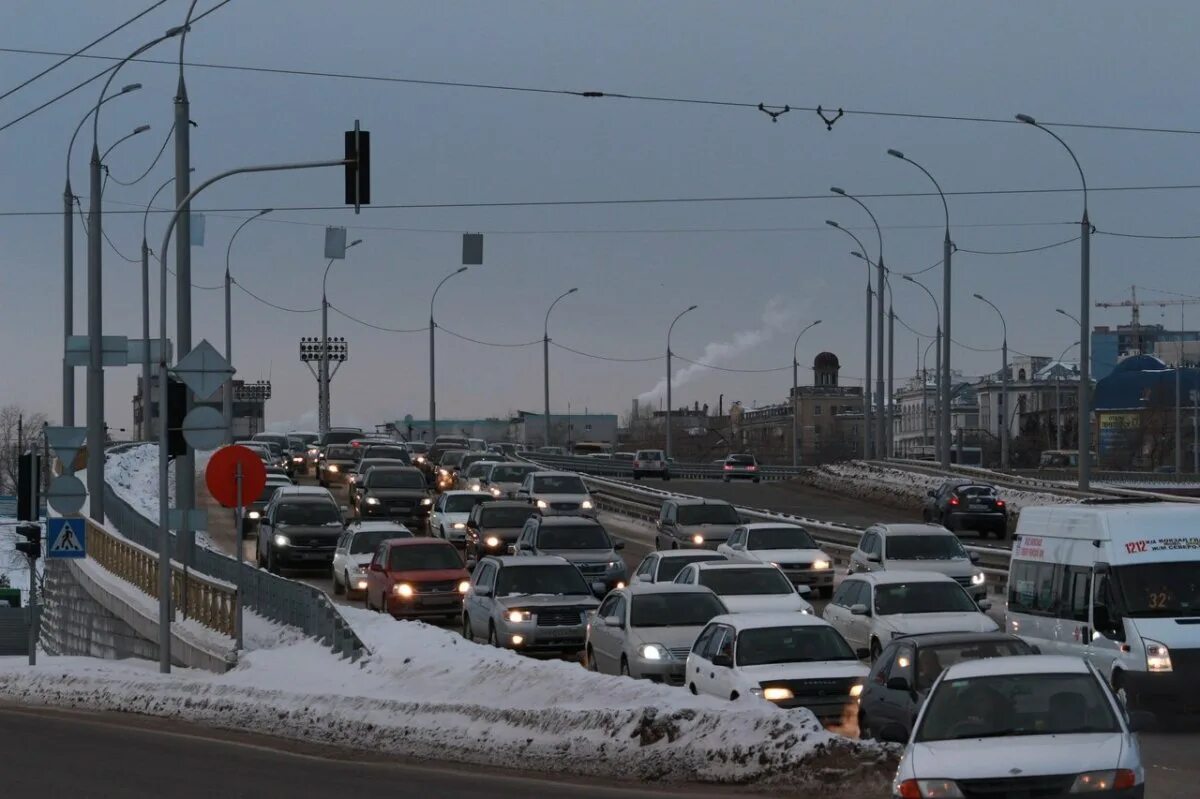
(13, 418)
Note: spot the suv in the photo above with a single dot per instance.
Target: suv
(300, 528)
(967, 505)
(583, 542)
(695, 523)
(918, 547)
(557, 494)
(444, 443)
(335, 461)
(740, 467)
(339, 435)
(531, 604)
(503, 480)
(393, 492)
(650, 461)
(788, 546)
(493, 527)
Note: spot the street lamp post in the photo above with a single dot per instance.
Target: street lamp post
(795, 392)
(947, 252)
(227, 389)
(68, 387)
(323, 382)
(942, 431)
(1085, 292)
(1004, 415)
(432, 357)
(880, 447)
(546, 361)
(866, 442)
(669, 329)
(925, 394)
(1058, 396)
(1079, 420)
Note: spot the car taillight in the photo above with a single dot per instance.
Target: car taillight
(637, 464)
(953, 500)
(999, 503)
(728, 467)
(751, 468)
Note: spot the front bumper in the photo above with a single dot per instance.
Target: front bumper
(534, 638)
(420, 606)
(668, 671)
(831, 710)
(589, 513)
(303, 558)
(383, 511)
(1170, 693)
(813, 578)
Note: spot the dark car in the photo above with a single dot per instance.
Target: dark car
(740, 467)
(447, 468)
(355, 475)
(335, 461)
(393, 492)
(254, 509)
(412, 578)
(906, 669)
(300, 529)
(339, 435)
(967, 505)
(582, 541)
(443, 443)
(493, 527)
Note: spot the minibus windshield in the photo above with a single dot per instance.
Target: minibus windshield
(1169, 589)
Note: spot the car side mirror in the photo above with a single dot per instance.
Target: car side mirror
(984, 604)
(599, 589)
(376, 567)
(1142, 721)
(874, 557)
(862, 653)
(724, 661)
(483, 590)
(471, 564)
(974, 556)
(618, 545)
(803, 590)
(612, 621)
(512, 549)
(898, 684)
(860, 610)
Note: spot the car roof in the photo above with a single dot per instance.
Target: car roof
(637, 589)
(697, 501)
(568, 521)
(530, 560)
(734, 564)
(463, 493)
(1018, 664)
(507, 503)
(301, 491)
(943, 639)
(486, 462)
(912, 529)
(551, 473)
(891, 577)
(420, 541)
(750, 621)
(400, 466)
(773, 526)
(377, 526)
(672, 554)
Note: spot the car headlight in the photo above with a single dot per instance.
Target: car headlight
(495, 492)
(612, 564)
(459, 526)
(543, 504)
(777, 694)
(362, 568)
(928, 789)
(427, 501)
(402, 589)
(331, 467)
(820, 564)
(1158, 657)
(474, 486)
(856, 690)
(312, 453)
(1117, 779)
(653, 652)
(253, 515)
(977, 579)
(443, 473)
(420, 459)
(586, 504)
(298, 459)
(697, 539)
(464, 586)
(282, 540)
(492, 541)
(518, 616)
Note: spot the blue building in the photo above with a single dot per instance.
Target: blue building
(1111, 345)
(1135, 407)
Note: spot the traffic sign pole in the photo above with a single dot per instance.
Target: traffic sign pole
(239, 515)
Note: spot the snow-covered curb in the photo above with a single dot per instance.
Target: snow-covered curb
(902, 488)
(427, 693)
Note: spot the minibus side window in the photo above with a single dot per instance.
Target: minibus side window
(1078, 586)
(1033, 588)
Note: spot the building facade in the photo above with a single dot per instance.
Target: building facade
(1112, 345)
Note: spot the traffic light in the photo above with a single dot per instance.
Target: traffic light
(176, 410)
(31, 547)
(358, 167)
(28, 488)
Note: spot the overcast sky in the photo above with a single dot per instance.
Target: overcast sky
(758, 270)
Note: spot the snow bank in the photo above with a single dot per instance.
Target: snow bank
(427, 693)
(902, 488)
(133, 475)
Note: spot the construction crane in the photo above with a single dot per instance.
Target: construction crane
(1135, 305)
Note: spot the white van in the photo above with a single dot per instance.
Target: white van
(1118, 583)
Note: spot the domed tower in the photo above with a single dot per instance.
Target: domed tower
(825, 369)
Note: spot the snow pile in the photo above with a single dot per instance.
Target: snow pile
(905, 489)
(427, 693)
(133, 475)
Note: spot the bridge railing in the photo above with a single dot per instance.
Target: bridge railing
(610, 467)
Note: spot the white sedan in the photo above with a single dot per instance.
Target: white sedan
(451, 509)
(354, 551)
(747, 587)
(788, 546)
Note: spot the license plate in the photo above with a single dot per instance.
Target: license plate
(439, 600)
(557, 635)
(313, 556)
(979, 507)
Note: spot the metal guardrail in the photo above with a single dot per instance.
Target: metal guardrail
(608, 467)
(277, 598)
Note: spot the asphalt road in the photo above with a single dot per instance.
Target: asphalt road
(119, 756)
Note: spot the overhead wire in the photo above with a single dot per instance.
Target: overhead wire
(374, 326)
(153, 163)
(487, 343)
(271, 304)
(605, 357)
(1146, 235)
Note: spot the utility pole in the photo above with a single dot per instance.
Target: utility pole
(185, 465)
(891, 385)
(546, 362)
(867, 381)
(669, 407)
(68, 388)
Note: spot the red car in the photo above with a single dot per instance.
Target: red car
(417, 578)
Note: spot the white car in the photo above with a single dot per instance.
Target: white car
(354, 551)
(1029, 725)
(474, 477)
(788, 546)
(871, 609)
(503, 480)
(788, 659)
(664, 567)
(451, 509)
(557, 494)
(747, 587)
(918, 548)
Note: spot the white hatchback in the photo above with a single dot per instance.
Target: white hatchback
(354, 551)
(747, 587)
(1029, 725)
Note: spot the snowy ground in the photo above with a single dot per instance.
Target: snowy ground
(427, 693)
(901, 488)
(133, 475)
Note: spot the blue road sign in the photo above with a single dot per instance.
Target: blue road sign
(67, 538)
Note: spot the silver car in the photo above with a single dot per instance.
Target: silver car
(531, 604)
(504, 480)
(557, 494)
(647, 630)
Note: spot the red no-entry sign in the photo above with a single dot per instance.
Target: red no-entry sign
(221, 475)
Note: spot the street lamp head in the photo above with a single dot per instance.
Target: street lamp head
(572, 291)
(909, 278)
(1061, 311)
(354, 243)
(816, 323)
(175, 31)
(140, 129)
(858, 254)
(837, 190)
(460, 270)
(1028, 120)
(978, 297)
(897, 154)
(130, 87)
(831, 223)
(694, 307)
(266, 211)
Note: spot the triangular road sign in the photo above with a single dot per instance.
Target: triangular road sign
(203, 370)
(67, 538)
(65, 441)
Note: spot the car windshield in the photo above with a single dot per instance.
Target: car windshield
(922, 597)
(669, 567)
(425, 556)
(478, 469)
(743, 460)
(976, 492)
(745, 582)
(450, 442)
(780, 538)
(395, 478)
(509, 474)
(387, 453)
(417, 446)
(340, 436)
(315, 512)
(801, 643)
(693, 609)
(505, 517)
(925, 547)
(369, 540)
(463, 503)
(649, 455)
(304, 438)
(933, 660)
(716, 513)
(579, 536)
(339, 452)
(548, 579)
(558, 484)
(372, 462)
(1002, 706)
(1169, 589)
(452, 458)
(270, 489)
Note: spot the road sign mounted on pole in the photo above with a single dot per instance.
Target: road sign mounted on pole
(66, 494)
(221, 475)
(204, 427)
(114, 350)
(67, 538)
(66, 442)
(204, 370)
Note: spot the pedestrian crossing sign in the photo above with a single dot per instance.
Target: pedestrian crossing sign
(67, 538)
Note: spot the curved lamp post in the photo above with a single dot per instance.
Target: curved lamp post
(866, 443)
(937, 315)
(669, 329)
(432, 357)
(795, 392)
(1005, 416)
(546, 360)
(227, 389)
(323, 382)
